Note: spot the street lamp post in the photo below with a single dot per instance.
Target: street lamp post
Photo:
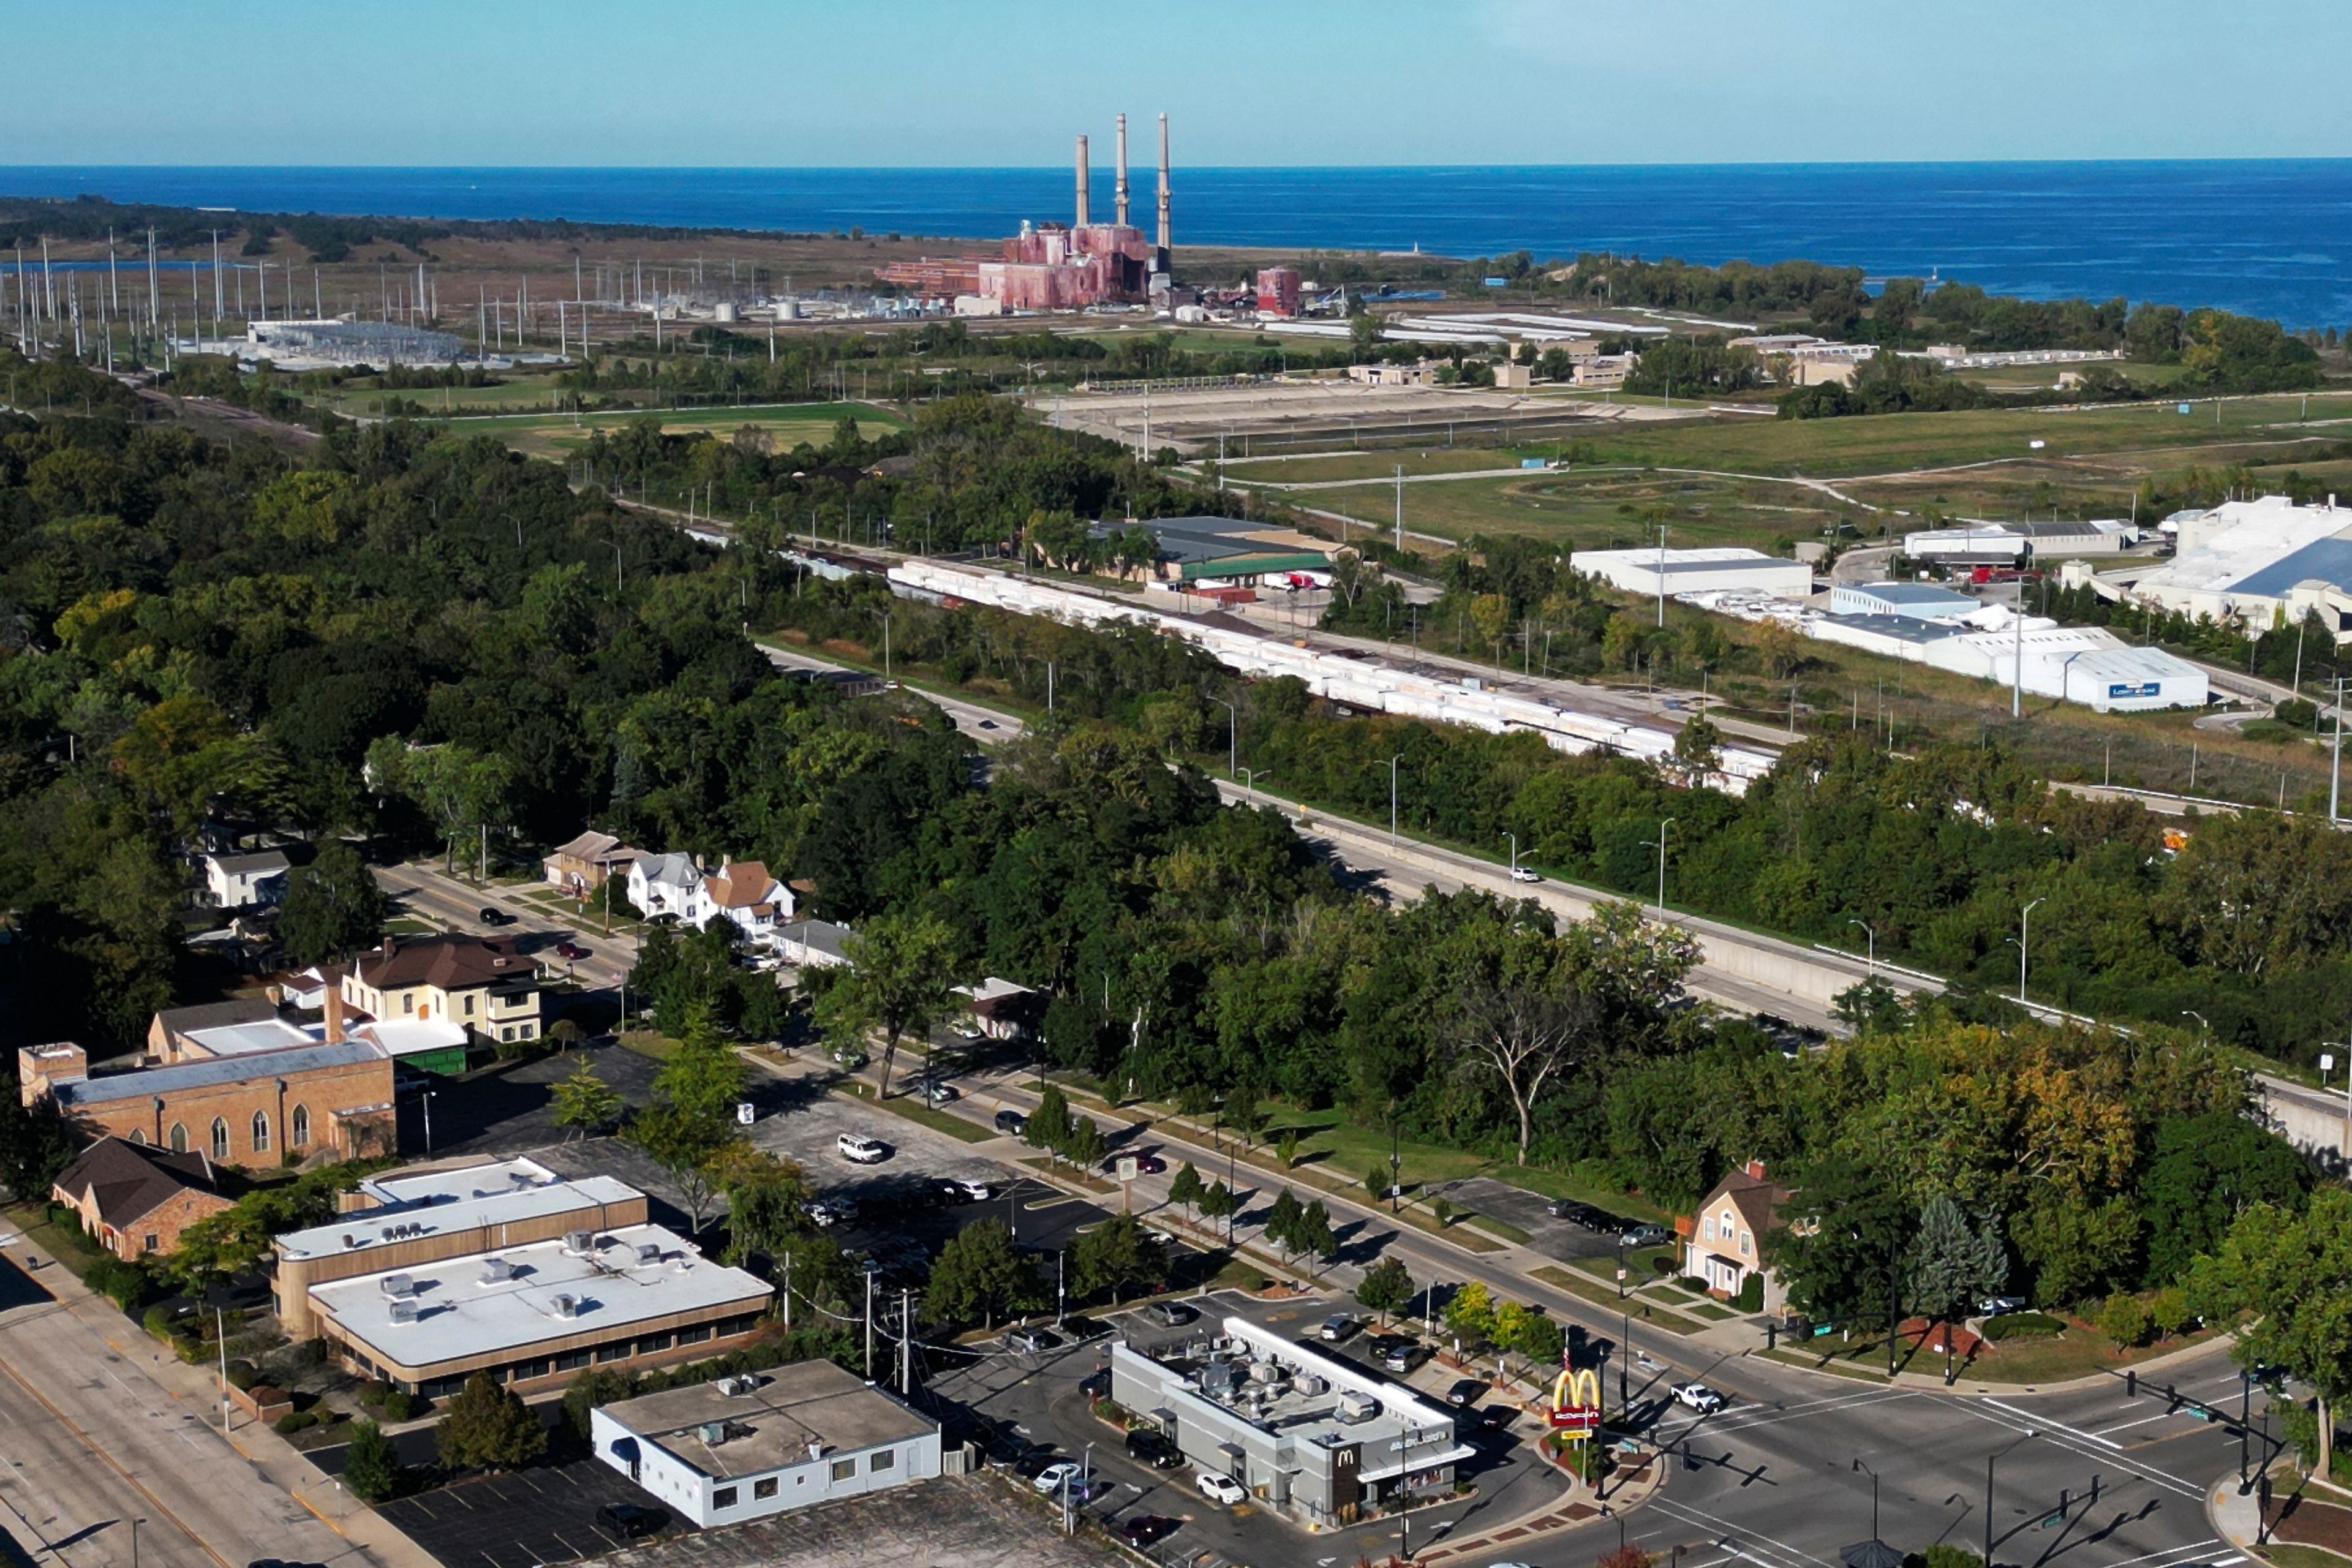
(1871, 938)
(427, 1102)
(1392, 798)
(1660, 842)
(2029, 1435)
(2023, 916)
(1515, 853)
(1233, 737)
(1867, 1471)
(1249, 782)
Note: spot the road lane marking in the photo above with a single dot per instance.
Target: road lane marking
(2048, 1425)
(2127, 1425)
(2011, 1420)
(1690, 1515)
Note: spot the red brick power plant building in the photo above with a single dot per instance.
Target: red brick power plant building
(1053, 266)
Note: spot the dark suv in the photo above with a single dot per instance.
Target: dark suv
(630, 1520)
(1154, 1448)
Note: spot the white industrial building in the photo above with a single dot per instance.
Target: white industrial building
(1910, 601)
(2088, 665)
(1717, 570)
(2259, 562)
(2010, 543)
(743, 1447)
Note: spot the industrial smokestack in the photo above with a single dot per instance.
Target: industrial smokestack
(1082, 180)
(1118, 192)
(1162, 253)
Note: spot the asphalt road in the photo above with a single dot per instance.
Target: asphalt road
(423, 887)
(89, 1442)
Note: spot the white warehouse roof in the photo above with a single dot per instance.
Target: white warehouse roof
(1695, 571)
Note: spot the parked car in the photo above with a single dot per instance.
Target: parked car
(1069, 1472)
(1095, 1384)
(860, 1150)
(934, 1092)
(1031, 1342)
(1154, 1448)
(826, 1213)
(849, 1058)
(1337, 1327)
(1011, 1122)
(987, 723)
(1577, 1213)
(966, 1190)
(1170, 1314)
(1029, 1460)
(1522, 874)
(629, 1520)
(1142, 1530)
(966, 1030)
(2000, 1306)
(494, 916)
(571, 949)
(1403, 1358)
(1222, 1489)
(1644, 1233)
(1467, 1391)
(1696, 1396)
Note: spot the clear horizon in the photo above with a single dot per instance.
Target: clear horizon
(1320, 84)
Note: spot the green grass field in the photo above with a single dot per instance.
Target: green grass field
(787, 424)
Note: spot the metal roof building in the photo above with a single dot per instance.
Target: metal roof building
(1722, 569)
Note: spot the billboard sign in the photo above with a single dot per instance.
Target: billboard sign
(2136, 689)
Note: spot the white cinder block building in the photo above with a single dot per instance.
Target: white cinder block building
(1728, 569)
(748, 1446)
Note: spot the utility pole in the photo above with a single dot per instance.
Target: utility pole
(1400, 508)
(1661, 575)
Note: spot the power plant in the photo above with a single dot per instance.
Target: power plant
(1051, 266)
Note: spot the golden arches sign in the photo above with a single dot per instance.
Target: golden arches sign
(1576, 1399)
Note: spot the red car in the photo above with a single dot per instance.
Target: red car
(571, 949)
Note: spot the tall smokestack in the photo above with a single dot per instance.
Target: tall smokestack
(1118, 192)
(1161, 255)
(1082, 180)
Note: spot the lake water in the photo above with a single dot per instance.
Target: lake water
(2268, 237)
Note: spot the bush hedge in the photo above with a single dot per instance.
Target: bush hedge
(2022, 1326)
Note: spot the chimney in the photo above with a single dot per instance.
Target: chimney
(1118, 192)
(1083, 191)
(1755, 1169)
(334, 1012)
(1160, 261)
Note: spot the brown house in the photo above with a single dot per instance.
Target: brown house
(250, 1109)
(581, 866)
(1725, 1243)
(135, 1198)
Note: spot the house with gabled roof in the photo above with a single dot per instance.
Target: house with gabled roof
(1724, 1244)
(135, 1198)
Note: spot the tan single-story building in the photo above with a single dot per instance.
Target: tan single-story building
(134, 1199)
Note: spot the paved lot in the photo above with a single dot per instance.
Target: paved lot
(522, 1519)
(956, 1522)
(1531, 1212)
(1016, 1400)
(507, 1108)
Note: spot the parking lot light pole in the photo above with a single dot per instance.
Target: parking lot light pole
(427, 1102)
(1871, 937)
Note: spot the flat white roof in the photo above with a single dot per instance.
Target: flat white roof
(460, 1313)
(442, 1182)
(471, 1205)
(408, 1037)
(262, 1034)
(1696, 559)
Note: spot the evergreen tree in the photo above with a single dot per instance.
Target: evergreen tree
(371, 1468)
(1385, 1288)
(1282, 1222)
(1185, 1187)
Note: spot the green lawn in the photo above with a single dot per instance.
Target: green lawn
(915, 1110)
(1583, 1284)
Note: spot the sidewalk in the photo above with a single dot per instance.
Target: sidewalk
(1628, 1491)
(273, 1459)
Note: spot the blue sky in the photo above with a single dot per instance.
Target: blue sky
(1311, 81)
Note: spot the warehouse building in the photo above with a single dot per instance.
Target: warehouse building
(1727, 569)
(2259, 562)
(1306, 1432)
(2015, 544)
(2088, 665)
(1910, 601)
(1228, 550)
(531, 1316)
(747, 1447)
(416, 1219)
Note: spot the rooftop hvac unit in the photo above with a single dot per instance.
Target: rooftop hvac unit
(579, 1242)
(497, 1270)
(1308, 1383)
(567, 1306)
(390, 1231)
(714, 1432)
(1265, 1369)
(404, 1311)
(649, 1252)
(350, 1240)
(399, 1285)
(1358, 1406)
